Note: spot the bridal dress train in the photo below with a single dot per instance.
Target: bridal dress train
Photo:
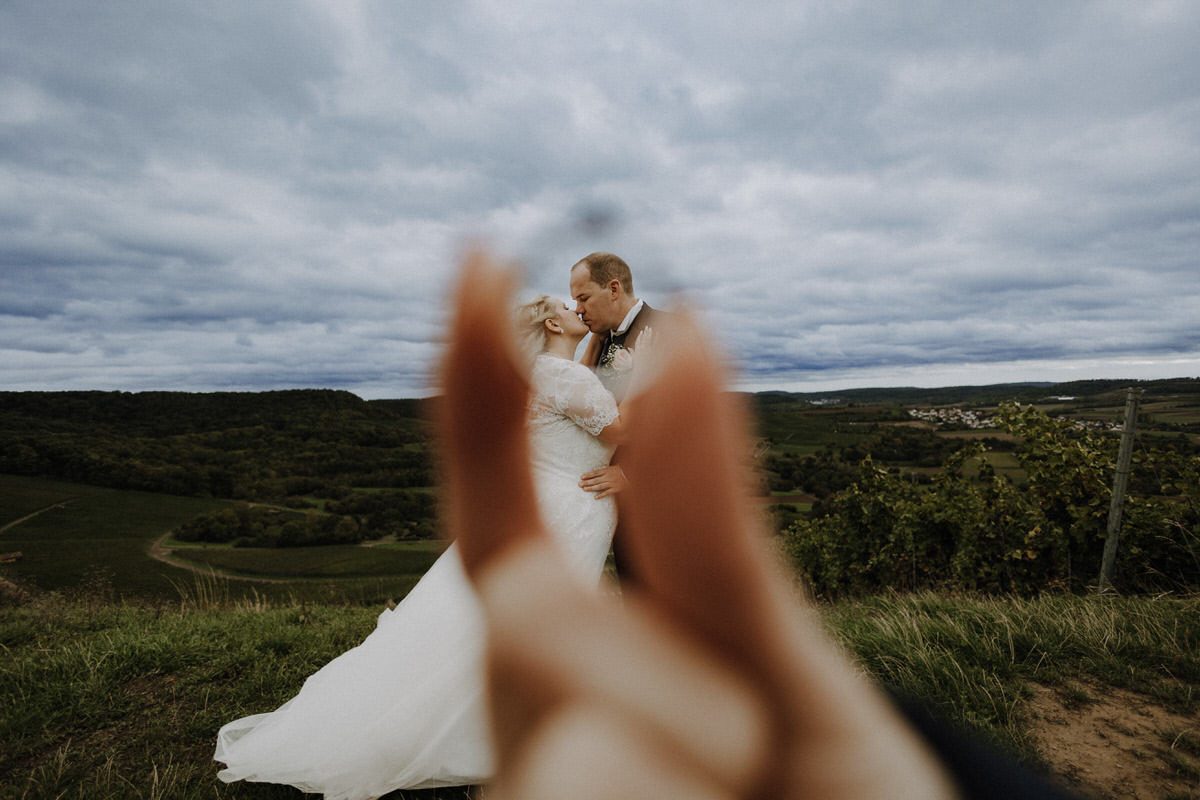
(406, 709)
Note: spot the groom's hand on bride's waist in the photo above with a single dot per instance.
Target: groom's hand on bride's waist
(604, 481)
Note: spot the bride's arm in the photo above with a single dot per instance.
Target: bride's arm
(609, 479)
(614, 432)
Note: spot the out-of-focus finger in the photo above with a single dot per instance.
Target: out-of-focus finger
(489, 496)
(553, 639)
(690, 530)
(701, 560)
(585, 751)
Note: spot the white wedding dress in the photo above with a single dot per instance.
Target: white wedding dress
(405, 709)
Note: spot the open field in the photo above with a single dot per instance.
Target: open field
(1004, 463)
(107, 700)
(316, 563)
(91, 533)
(1000, 436)
(24, 496)
(92, 536)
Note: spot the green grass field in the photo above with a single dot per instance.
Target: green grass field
(331, 561)
(95, 534)
(21, 496)
(1005, 464)
(985, 433)
(90, 538)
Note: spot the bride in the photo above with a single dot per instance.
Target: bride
(406, 708)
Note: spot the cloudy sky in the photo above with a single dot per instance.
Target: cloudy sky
(249, 196)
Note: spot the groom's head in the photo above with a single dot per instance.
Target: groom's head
(602, 287)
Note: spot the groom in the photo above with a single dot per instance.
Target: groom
(602, 287)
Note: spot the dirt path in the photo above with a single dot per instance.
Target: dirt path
(1116, 744)
(27, 517)
(160, 552)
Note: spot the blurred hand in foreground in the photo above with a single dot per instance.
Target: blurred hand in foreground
(711, 680)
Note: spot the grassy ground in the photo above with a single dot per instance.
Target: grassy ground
(977, 657)
(110, 700)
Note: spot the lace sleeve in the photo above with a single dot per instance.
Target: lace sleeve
(584, 400)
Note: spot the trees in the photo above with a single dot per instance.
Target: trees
(283, 448)
(973, 529)
(257, 526)
(264, 446)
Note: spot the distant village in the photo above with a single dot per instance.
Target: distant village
(959, 418)
(955, 417)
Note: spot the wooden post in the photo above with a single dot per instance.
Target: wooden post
(1120, 480)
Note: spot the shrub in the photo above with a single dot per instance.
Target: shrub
(973, 529)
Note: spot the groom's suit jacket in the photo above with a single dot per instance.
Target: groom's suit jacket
(598, 356)
(600, 349)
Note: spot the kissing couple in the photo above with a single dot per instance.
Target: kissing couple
(406, 708)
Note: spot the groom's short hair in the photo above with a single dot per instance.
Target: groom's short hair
(604, 267)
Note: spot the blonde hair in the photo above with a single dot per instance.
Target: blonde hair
(530, 319)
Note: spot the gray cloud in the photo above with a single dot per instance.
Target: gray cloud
(263, 195)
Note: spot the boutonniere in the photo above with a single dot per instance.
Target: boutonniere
(622, 360)
(609, 357)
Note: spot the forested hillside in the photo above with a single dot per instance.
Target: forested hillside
(355, 461)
